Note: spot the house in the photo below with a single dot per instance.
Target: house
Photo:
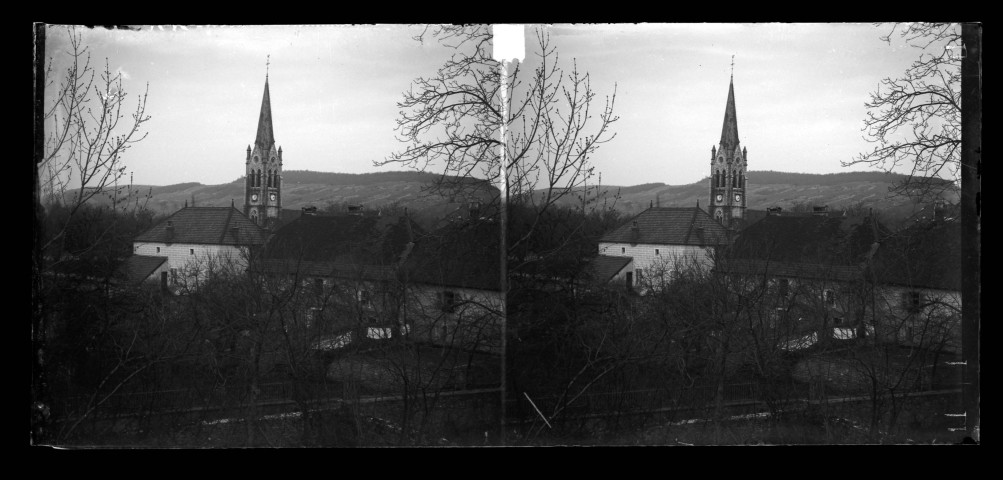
(813, 267)
(918, 276)
(851, 277)
(195, 240)
(378, 276)
(662, 242)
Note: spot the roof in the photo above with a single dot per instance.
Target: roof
(670, 226)
(463, 255)
(729, 131)
(809, 239)
(323, 268)
(206, 225)
(265, 138)
(738, 266)
(138, 268)
(342, 239)
(923, 255)
(602, 268)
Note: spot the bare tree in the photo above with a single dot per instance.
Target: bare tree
(915, 120)
(450, 123)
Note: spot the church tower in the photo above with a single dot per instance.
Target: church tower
(728, 168)
(263, 182)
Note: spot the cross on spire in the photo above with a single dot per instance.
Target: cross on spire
(268, 61)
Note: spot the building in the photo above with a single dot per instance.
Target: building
(263, 168)
(848, 277)
(728, 165)
(663, 242)
(193, 241)
(379, 276)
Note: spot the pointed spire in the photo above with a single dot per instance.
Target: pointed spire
(729, 131)
(265, 138)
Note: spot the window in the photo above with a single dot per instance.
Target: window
(622, 249)
(913, 302)
(447, 301)
(158, 249)
(191, 251)
(783, 287)
(174, 275)
(363, 296)
(656, 253)
(640, 274)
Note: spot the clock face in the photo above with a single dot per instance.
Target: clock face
(738, 198)
(254, 198)
(720, 197)
(272, 197)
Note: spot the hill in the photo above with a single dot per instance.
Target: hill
(303, 188)
(765, 189)
(778, 189)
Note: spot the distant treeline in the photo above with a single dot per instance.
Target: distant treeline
(766, 177)
(330, 178)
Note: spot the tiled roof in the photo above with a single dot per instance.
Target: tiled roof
(205, 225)
(138, 268)
(809, 239)
(464, 254)
(670, 226)
(923, 255)
(345, 239)
(322, 268)
(790, 269)
(603, 267)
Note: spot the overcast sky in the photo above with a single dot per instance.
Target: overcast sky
(799, 88)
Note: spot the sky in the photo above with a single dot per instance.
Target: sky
(800, 91)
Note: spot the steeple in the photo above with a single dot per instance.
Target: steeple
(729, 132)
(729, 164)
(263, 167)
(265, 138)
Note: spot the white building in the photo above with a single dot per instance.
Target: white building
(662, 241)
(194, 239)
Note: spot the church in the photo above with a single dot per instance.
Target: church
(176, 250)
(663, 242)
(729, 162)
(263, 167)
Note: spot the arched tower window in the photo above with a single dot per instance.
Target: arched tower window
(734, 180)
